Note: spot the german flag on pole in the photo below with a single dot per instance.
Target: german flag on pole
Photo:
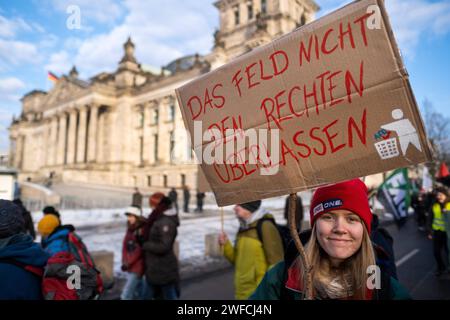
(51, 76)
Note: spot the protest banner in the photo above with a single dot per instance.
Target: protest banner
(327, 102)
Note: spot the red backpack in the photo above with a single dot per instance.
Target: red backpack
(72, 275)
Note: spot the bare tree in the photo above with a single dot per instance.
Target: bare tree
(438, 130)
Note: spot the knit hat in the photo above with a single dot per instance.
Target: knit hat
(251, 206)
(11, 219)
(350, 195)
(156, 198)
(51, 210)
(133, 210)
(48, 224)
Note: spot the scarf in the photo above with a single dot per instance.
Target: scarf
(164, 204)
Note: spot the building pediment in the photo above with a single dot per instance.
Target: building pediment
(66, 90)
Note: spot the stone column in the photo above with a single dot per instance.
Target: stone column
(54, 139)
(146, 135)
(100, 138)
(92, 139)
(19, 145)
(47, 142)
(82, 131)
(71, 141)
(61, 149)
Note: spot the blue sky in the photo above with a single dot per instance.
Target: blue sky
(34, 38)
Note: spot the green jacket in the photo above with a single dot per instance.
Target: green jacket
(271, 286)
(252, 258)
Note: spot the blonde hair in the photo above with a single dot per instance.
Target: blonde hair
(352, 273)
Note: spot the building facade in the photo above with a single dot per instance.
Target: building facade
(125, 128)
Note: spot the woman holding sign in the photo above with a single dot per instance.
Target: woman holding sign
(345, 263)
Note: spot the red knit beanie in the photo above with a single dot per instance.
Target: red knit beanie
(156, 198)
(350, 195)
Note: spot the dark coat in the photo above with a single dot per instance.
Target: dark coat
(16, 283)
(161, 263)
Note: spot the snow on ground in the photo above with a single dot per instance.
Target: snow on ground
(104, 229)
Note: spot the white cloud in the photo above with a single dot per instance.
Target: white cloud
(11, 27)
(414, 20)
(161, 30)
(48, 41)
(17, 52)
(60, 62)
(10, 84)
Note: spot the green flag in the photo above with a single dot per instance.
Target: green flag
(395, 194)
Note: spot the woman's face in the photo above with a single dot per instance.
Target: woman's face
(340, 234)
(241, 212)
(131, 219)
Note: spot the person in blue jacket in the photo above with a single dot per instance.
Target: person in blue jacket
(21, 260)
(54, 235)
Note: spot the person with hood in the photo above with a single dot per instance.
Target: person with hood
(132, 255)
(161, 263)
(342, 257)
(439, 228)
(21, 260)
(253, 254)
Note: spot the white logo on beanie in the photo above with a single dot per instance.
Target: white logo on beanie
(329, 204)
(318, 209)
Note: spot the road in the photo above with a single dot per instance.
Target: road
(415, 268)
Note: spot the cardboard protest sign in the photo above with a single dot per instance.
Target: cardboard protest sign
(327, 102)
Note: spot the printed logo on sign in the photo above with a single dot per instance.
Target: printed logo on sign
(318, 209)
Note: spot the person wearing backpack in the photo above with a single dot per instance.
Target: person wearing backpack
(254, 251)
(161, 263)
(21, 260)
(132, 255)
(68, 254)
(339, 251)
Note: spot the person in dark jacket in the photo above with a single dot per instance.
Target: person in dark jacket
(173, 196)
(298, 212)
(200, 197)
(161, 263)
(132, 255)
(381, 238)
(54, 235)
(137, 198)
(186, 198)
(28, 220)
(17, 251)
(419, 206)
